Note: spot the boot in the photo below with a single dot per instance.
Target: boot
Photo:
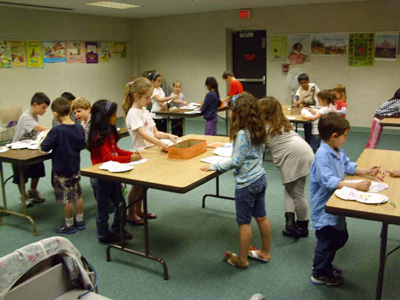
(303, 227)
(291, 227)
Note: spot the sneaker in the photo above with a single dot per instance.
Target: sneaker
(64, 229)
(330, 280)
(127, 235)
(35, 195)
(336, 272)
(28, 202)
(80, 225)
(107, 239)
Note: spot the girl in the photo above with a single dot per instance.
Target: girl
(325, 100)
(248, 136)
(293, 157)
(341, 102)
(177, 128)
(210, 106)
(103, 147)
(144, 134)
(159, 100)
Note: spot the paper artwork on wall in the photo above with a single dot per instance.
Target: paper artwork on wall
(104, 53)
(118, 50)
(92, 55)
(361, 49)
(298, 49)
(329, 44)
(5, 54)
(34, 54)
(53, 52)
(386, 46)
(278, 48)
(18, 56)
(75, 52)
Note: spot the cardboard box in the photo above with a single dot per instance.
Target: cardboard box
(187, 149)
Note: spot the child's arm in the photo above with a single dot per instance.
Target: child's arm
(165, 99)
(206, 104)
(39, 128)
(107, 154)
(50, 142)
(164, 135)
(395, 173)
(240, 151)
(152, 139)
(311, 118)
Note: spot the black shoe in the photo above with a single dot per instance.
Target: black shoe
(291, 227)
(64, 229)
(327, 280)
(303, 228)
(336, 272)
(80, 225)
(127, 235)
(107, 239)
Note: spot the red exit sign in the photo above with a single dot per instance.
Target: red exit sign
(245, 14)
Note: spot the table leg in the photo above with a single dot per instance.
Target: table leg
(382, 261)
(227, 122)
(3, 192)
(168, 124)
(183, 126)
(217, 195)
(121, 245)
(23, 198)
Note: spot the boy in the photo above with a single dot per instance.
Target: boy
(28, 128)
(66, 140)
(70, 98)
(235, 86)
(327, 173)
(81, 107)
(306, 95)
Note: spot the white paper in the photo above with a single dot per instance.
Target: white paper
(347, 193)
(137, 162)
(115, 167)
(291, 118)
(3, 149)
(225, 150)
(213, 159)
(306, 112)
(170, 142)
(193, 112)
(375, 187)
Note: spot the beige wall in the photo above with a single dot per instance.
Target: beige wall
(103, 80)
(192, 47)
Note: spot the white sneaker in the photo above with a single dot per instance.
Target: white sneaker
(28, 201)
(35, 196)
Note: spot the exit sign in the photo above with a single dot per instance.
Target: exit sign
(245, 14)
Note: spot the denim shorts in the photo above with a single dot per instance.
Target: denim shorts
(250, 202)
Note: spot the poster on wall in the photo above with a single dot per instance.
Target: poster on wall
(278, 47)
(361, 49)
(118, 49)
(92, 55)
(329, 44)
(104, 54)
(5, 54)
(298, 49)
(75, 52)
(53, 52)
(34, 54)
(386, 46)
(18, 54)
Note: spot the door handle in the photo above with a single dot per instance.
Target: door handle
(262, 80)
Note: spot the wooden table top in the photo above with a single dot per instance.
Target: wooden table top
(297, 118)
(24, 156)
(395, 122)
(160, 172)
(388, 160)
(123, 132)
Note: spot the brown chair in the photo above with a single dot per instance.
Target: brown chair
(8, 118)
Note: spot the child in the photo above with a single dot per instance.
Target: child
(293, 156)
(248, 135)
(210, 106)
(81, 107)
(341, 102)
(176, 123)
(325, 100)
(70, 98)
(103, 147)
(306, 95)
(27, 128)
(66, 140)
(159, 100)
(327, 173)
(235, 86)
(144, 134)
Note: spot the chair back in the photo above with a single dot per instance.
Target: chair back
(10, 113)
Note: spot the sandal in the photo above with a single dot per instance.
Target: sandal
(252, 253)
(138, 222)
(149, 216)
(228, 258)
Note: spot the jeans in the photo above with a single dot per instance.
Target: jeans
(307, 132)
(250, 201)
(106, 192)
(315, 142)
(329, 240)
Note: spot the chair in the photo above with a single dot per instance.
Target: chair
(9, 117)
(49, 269)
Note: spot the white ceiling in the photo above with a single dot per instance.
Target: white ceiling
(152, 8)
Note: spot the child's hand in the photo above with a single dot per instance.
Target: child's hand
(173, 138)
(164, 147)
(184, 103)
(363, 185)
(395, 173)
(205, 168)
(136, 156)
(374, 171)
(174, 96)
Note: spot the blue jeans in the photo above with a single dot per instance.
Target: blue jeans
(250, 201)
(106, 192)
(329, 240)
(315, 142)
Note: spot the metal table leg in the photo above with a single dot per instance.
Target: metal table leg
(217, 195)
(382, 261)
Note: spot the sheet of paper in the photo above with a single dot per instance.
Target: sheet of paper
(213, 159)
(193, 112)
(170, 142)
(3, 149)
(225, 150)
(138, 162)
